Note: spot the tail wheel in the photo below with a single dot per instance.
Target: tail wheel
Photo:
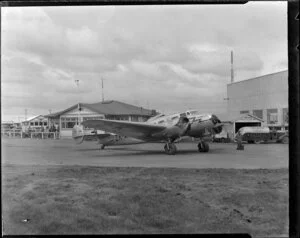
(285, 140)
(170, 149)
(102, 147)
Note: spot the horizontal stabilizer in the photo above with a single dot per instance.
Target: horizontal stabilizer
(78, 134)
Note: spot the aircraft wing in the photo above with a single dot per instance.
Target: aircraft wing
(125, 128)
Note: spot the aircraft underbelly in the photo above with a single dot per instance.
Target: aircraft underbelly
(121, 140)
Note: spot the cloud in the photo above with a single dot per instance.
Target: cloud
(171, 56)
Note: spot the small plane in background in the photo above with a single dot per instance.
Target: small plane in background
(161, 128)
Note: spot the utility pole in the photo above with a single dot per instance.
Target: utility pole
(25, 114)
(102, 89)
(77, 82)
(78, 115)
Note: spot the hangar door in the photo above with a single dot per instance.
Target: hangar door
(239, 125)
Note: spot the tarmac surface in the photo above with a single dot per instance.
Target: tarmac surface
(66, 152)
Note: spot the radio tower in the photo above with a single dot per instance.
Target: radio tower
(232, 72)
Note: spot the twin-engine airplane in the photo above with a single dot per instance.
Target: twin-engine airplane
(161, 128)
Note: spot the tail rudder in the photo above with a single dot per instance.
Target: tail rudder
(78, 134)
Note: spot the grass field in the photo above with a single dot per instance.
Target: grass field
(98, 200)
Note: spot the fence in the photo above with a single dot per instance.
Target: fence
(31, 134)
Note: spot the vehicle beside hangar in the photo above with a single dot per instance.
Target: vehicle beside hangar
(261, 134)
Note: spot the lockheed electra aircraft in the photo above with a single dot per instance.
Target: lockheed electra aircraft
(161, 128)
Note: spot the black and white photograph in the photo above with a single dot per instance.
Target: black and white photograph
(145, 119)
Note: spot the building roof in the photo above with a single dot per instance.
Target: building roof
(262, 76)
(108, 108)
(31, 118)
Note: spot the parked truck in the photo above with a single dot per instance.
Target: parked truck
(261, 134)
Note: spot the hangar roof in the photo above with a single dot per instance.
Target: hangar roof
(283, 72)
(241, 118)
(109, 108)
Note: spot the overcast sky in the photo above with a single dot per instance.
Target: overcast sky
(169, 58)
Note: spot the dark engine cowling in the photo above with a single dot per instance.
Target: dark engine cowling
(218, 125)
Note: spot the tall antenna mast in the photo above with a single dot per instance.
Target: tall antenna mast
(232, 72)
(102, 89)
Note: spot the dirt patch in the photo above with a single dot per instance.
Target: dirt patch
(98, 200)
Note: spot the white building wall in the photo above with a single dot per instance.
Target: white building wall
(262, 93)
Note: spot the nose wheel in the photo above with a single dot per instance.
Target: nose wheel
(203, 146)
(170, 149)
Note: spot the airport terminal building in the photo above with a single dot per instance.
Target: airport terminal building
(265, 97)
(113, 110)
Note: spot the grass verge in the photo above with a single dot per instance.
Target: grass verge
(103, 200)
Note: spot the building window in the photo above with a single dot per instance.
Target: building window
(124, 118)
(285, 116)
(32, 123)
(258, 113)
(45, 123)
(36, 123)
(68, 123)
(92, 118)
(244, 112)
(134, 118)
(272, 116)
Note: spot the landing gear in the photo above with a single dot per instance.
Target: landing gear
(203, 146)
(102, 147)
(170, 148)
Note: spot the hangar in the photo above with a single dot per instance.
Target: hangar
(114, 110)
(232, 125)
(265, 97)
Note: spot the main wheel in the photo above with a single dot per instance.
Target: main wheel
(203, 147)
(206, 147)
(102, 147)
(170, 149)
